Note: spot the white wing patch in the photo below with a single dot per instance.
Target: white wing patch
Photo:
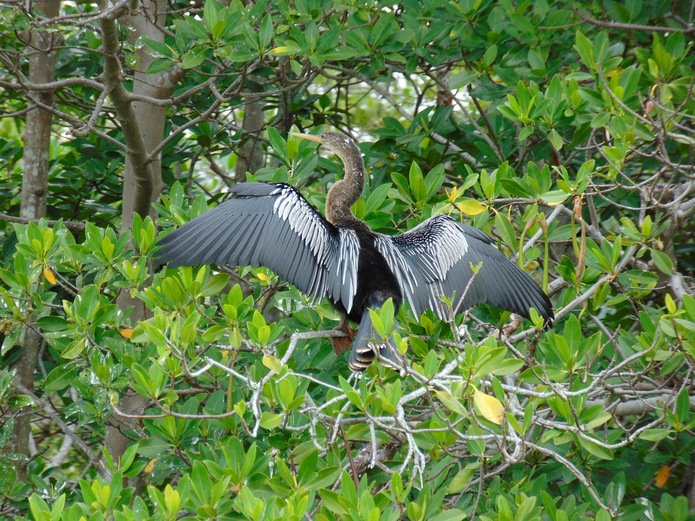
(396, 261)
(345, 268)
(339, 266)
(441, 246)
(424, 256)
(299, 215)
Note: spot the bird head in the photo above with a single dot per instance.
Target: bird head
(340, 144)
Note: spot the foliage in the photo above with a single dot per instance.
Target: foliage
(563, 131)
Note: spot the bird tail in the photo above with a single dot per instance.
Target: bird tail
(366, 347)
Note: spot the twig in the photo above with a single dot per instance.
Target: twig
(50, 411)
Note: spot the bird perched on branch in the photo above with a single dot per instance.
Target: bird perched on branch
(339, 257)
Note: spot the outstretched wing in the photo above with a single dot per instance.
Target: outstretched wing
(271, 225)
(434, 259)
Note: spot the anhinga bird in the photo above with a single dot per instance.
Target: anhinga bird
(339, 257)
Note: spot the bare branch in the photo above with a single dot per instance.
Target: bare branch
(689, 29)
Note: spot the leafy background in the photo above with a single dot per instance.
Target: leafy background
(563, 129)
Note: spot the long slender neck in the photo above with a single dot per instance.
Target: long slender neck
(346, 192)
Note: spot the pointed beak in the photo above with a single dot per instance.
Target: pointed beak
(310, 137)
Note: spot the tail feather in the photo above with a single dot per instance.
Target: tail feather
(365, 347)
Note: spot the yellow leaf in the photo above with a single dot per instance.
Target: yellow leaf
(489, 406)
(48, 274)
(283, 50)
(126, 332)
(272, 363)
(470, 207)
(172, 499)
(453, 194)
(150, 465)
(262, 277)
(662, 476)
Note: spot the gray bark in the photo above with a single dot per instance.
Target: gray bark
(251, 156)
(37, 138)
(142, 179)
(151, 118)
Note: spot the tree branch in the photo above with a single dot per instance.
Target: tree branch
(634, 27)
(135, 146)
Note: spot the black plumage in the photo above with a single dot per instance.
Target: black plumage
(339, 257)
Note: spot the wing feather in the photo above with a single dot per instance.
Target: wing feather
(434, 259)
(271, 225)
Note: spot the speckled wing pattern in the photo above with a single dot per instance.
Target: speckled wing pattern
(434, 260)
(271, 225)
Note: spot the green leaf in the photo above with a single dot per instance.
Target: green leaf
(434, 180)
(86, 303)
(212, 11)
(462, 79)
(39, 508)
(655, 434)
(335, 502)
(60, 378)
(351, 393)
(286, 392)
(265, 35)
(278, 143)
(214, 284)
(401, 183)
(595, 449)
(52, 323)
(159, 49)
(554, 197)
(397, 486)
(506, 230)
(74, 349)
(194, 57)
(451, 403)
(377, 197)
(453, 514)
(615, 492)
(585, 50)
(19, 401)
(490, 55)
(270, 421)
(192, 28)
(251, 37)
(683, 405)
(555, 139)
(462, 478)
(507, 366)
(417, 183)
(536, 60)
(662, 261)
(601, 119)
(525, 132)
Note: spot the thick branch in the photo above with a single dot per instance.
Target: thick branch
(136, 152)
(37, 140)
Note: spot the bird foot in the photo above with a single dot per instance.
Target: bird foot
(343, 343)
